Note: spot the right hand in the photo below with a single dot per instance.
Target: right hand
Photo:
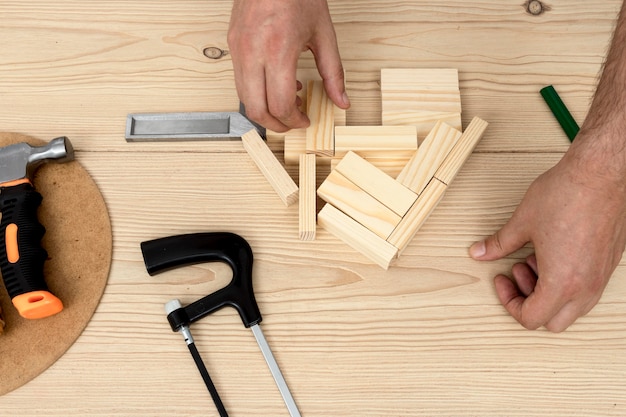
(266, 38)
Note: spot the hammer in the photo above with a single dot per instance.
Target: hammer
(21, 255)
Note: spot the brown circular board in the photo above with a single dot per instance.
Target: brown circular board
(78, 240)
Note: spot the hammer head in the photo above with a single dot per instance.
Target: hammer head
(21, 160)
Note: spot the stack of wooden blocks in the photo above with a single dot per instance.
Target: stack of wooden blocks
(383, 185)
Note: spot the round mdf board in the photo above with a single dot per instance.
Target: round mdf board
(78, 240)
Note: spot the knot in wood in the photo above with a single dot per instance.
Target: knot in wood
(535, 7)
(213, 52)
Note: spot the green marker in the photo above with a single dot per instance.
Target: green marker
(563, 116)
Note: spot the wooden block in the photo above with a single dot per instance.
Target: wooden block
(376, 183)
(391, 166)
(445, 101)
(356, 235)
(307, 201)
(271, 136)
(321, 112)
(271, 168)
(340, 116)
(421, 97)
(295, 145)
(417, 215)
(378, 141)
(423, 120)
(407, 78)
(461, 151)
(358, 204)
(428, 157)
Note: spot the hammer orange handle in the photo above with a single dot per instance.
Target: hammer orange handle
(22, 257)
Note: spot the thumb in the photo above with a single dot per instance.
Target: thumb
(505, 241)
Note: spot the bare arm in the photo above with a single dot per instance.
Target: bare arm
(266, 38)
(574, 215)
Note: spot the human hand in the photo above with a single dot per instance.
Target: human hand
(266, 38)
(574, 215)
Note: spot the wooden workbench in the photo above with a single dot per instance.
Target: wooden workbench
(428, 337)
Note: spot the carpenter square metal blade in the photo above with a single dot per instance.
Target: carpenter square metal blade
(168, 127)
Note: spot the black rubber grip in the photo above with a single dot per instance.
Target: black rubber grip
(19, 205)
(173, 251)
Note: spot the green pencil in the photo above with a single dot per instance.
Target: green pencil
(563, 116)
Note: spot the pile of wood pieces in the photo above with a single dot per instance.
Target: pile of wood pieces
(385, 180)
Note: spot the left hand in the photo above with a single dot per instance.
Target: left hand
(575, 218)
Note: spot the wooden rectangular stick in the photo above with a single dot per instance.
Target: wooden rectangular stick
(307, 201)
(295, 145)
(358, 204)
(321, 112)
(271, 168)
(376, 183)
(417, 215)
(391, 166)
(356, 235)
(429, 156)
(376, 140)
(461, 151)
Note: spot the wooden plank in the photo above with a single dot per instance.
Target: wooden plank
(357, 236)
(428, 157)
(358, 204)
(271, 168)
(321, 112)
(376, 183)
(307, 198)
(461, 151)
(417, 214)
(388, 141)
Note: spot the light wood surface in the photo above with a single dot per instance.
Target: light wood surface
(428, 336)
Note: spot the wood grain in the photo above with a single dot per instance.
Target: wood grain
(427, 337)
(270, 167)
(307, 208)
(357, 203)
(376, 183)
(428, 158)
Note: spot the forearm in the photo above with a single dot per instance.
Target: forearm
(601, 143)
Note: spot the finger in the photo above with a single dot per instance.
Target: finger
(534, 311)
(531, 260)
(564, 318)
(329, 65)
(511, 237)
(251, 87)
(282, 87)
(571, 312)
(525, 278)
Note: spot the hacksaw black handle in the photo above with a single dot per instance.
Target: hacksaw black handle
(21, 254)
(174, 251)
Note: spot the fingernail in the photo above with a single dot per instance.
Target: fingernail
(478, 249)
